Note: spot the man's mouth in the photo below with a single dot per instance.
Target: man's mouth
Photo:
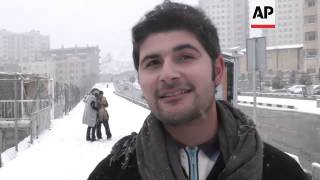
(173, 93)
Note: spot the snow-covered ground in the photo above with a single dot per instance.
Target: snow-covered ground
(62, 153)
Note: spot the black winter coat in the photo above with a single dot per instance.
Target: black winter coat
(121, 164)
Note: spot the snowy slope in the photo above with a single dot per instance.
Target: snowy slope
(62, 153)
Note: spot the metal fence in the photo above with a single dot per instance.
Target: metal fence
(32, 115)
(26, 107)
(39, 121)
(20, 108)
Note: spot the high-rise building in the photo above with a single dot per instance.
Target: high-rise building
(231, 17)
(289, 24)
(311, 29)
(25, 47)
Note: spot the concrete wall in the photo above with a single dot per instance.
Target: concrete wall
(293, 132)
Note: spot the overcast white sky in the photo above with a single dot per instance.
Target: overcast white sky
(106, 23)
(78, 22)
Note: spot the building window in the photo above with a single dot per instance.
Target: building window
(310, 19)
(310, 36)
(310, 3)
(311, 70)
(310, 53)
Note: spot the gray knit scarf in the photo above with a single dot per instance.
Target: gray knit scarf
(239, 143)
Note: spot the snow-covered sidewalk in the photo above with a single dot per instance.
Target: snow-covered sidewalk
(62, 153)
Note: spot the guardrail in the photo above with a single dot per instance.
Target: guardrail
(268, 104)
(281, 95)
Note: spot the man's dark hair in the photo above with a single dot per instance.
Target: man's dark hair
(170, 16)
(94, 90)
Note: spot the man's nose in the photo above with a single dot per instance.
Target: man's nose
(169, 71)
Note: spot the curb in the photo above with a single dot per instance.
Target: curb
(269, 105)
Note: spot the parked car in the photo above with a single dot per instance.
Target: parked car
(297, 89)
(316, 89)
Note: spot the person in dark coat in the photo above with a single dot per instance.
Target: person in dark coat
(90, 113)
(103, 116)
(189, 135)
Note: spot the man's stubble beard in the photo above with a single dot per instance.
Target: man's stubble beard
(197, 110)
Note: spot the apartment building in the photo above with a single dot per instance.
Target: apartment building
(231, 17)
(16, 48)
(78, 66)
(289, 24)
(311, 28)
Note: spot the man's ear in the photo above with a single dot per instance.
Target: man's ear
(219, 70)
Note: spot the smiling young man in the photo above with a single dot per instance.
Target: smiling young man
(188, 134)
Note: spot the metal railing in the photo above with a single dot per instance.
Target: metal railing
(39, 121)
(19, 112)
(35, 115)
(11, 109)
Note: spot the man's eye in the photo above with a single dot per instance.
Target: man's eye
(185, 58)
(152, 63)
